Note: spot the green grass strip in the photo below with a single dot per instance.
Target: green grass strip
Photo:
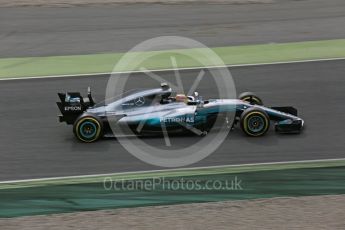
(104, 63)
(173, 173)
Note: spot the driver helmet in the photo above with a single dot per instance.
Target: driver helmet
(181, 98)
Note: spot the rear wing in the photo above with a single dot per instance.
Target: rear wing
(72, 105)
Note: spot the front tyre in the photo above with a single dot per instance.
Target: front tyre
(251, 98)
(255, 122)
(88, 129)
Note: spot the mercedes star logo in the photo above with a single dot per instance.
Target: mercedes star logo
(139, 101)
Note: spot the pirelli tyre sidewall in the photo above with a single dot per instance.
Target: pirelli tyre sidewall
(88, 128)
(255, 122)
(251, 98)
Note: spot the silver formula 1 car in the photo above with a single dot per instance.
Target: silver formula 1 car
(154, 111)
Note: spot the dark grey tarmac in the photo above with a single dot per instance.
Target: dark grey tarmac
(33, 144)
(47, 31)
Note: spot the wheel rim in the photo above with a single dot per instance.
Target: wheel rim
(256, 124)
(88, 129)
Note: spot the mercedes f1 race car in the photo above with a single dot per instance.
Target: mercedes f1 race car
(152, 111)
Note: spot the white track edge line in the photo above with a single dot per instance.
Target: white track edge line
(169, 170)
(172, 69)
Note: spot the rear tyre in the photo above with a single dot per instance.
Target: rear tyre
(255, 122)
(251, 98)
(88, 129)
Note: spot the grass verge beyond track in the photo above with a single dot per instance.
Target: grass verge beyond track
(171, 187)
(104, 63)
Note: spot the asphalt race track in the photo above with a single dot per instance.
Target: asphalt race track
(33, 144)
(47, 31)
